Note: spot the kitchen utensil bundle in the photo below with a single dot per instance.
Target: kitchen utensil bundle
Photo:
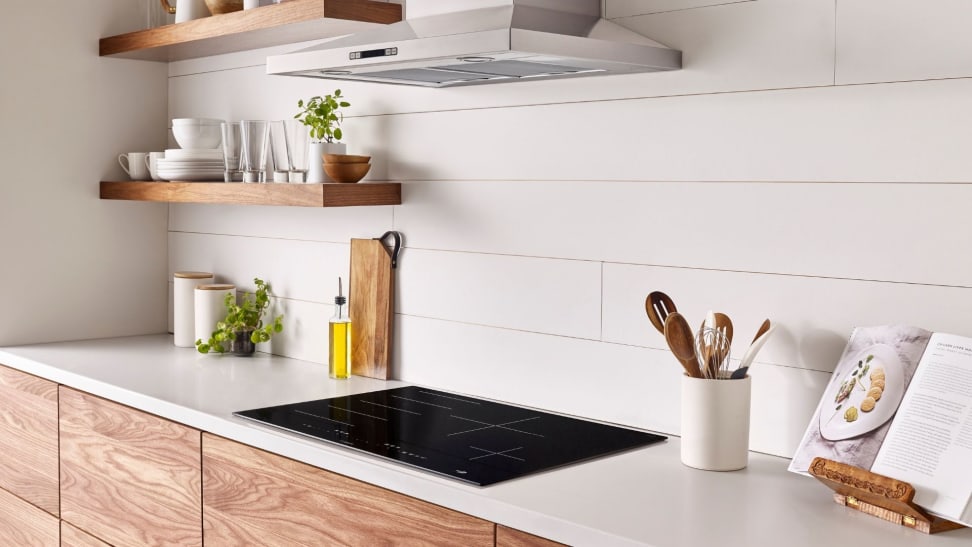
(703, 353)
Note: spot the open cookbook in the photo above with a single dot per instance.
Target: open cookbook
(900, 404)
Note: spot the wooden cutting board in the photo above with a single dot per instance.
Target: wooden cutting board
(371, 304)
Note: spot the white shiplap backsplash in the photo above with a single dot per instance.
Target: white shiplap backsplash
(794, 169)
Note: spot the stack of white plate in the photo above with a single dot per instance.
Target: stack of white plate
(191, 165)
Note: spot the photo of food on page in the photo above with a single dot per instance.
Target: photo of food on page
(863, 394)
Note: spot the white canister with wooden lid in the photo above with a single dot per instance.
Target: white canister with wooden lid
(210, 307)
(183, 307)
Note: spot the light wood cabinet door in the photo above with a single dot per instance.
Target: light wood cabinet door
(509, 537)
(252, 497)
(72, 537)
(28, 437)
(127, 477)
(24, 524)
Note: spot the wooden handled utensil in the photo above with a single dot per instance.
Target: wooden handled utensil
(681, 341)
(761, 336)
(658, 306)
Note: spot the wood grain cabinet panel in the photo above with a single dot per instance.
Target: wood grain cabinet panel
(28, 437)
(509, 537)
(252, 497)
(73, 537)
(127, 477)
(24, 524)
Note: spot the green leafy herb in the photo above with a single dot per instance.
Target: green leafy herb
(245, 317)
(322, 115)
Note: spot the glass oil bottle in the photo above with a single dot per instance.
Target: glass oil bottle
(339, 339)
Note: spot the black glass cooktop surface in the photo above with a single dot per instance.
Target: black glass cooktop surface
(469, 439)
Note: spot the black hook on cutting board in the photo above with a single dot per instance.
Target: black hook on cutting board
(397, 236)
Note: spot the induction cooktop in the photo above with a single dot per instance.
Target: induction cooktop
(464, 438)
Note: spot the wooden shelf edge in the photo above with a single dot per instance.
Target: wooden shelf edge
(236, 193)
(277, 24)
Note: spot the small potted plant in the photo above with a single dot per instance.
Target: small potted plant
(323, 116)
(243, 327)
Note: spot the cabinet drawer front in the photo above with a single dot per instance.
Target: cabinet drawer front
(250, 495)
(23, 524)
(128, 477)
(509, 537)
(28, 435)
(72, 537)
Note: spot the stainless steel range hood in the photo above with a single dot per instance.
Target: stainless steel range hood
(523, 40)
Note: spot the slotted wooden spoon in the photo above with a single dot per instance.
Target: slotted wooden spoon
(658, 306)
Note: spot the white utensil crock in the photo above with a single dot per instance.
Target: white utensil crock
(715, 423)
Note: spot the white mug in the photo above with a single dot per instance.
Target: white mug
(187, 10)
(136, 167)
(152, 163)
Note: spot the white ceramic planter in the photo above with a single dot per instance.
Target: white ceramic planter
(315, 161)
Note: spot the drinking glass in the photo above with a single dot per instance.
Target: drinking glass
(297, 144)
(253, 134)
(279, 153)
(232, 160)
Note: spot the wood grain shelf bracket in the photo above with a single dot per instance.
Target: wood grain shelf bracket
(877, 495)
(278, 24)
(235, 193)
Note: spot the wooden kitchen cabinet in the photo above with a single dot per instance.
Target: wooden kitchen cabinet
(24, 524)
(508, 537)
(28, 437)
(127, 477)
(73, 537)
(252, 497)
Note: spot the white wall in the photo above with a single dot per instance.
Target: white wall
(809, 164)
(71, 265)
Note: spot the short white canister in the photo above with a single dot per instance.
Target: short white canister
(210, 307)
(183, 309)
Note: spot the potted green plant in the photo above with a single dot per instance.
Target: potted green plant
(243, 326)
(323, 116)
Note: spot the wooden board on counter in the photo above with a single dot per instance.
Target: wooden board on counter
(285, 23)
(235, 193)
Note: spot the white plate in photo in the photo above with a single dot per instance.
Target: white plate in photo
(834, 423)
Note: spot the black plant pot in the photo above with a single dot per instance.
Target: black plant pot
(241, 344)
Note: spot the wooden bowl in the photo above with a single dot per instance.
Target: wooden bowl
(217, 7)
(347, 172)
(345, 158)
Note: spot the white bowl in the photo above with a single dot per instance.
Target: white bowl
(197, 136)
(196, 121)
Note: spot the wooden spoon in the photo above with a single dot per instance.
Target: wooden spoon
(658, 305)
(680, 340)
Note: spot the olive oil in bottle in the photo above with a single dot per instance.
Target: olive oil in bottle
(339, 338)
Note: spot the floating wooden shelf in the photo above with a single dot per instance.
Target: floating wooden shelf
(235, 193)
(277, 24)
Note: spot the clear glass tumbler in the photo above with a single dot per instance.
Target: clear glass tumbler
(297, 145)
(232, 160)
(279, 152)
(254, 135)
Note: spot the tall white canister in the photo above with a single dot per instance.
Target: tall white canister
(210, 307)
(183, 308)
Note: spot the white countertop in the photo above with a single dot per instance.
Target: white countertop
(641, 497)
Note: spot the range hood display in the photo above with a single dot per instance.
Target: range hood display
(524, 40)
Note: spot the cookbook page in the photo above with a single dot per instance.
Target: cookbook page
(930, 441)
(862, 397)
